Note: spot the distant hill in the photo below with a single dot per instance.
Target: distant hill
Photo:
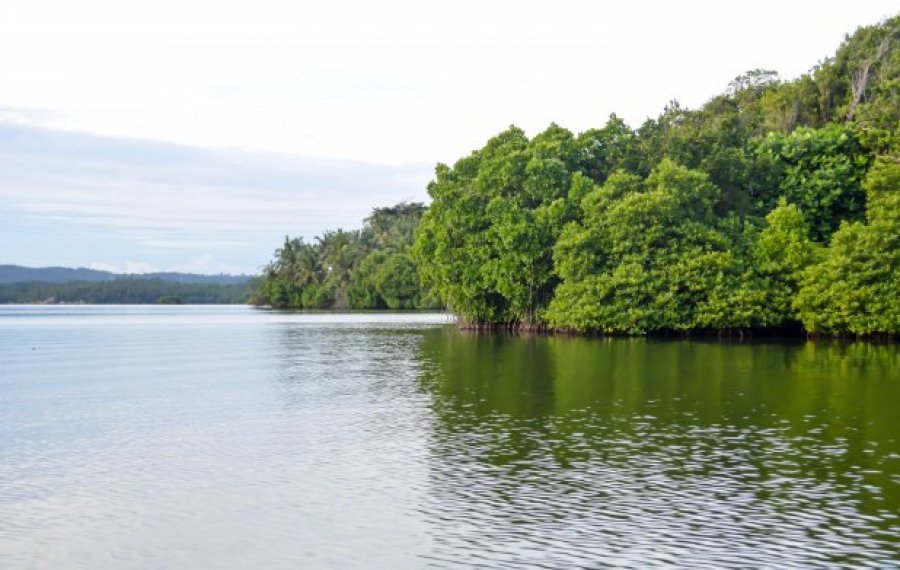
(20, 274)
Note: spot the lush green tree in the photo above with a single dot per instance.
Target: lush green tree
(361, 291)
(822, 170)
(781, 254)
(645, 257)
(868, 64)
(485, 243)
(756, 286)
(365, 269)
(280, 286)
(393, 228)
(606, 150)
(340, 252)
(856, 287)
(397, 282)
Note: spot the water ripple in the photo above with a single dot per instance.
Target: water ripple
(224, 437)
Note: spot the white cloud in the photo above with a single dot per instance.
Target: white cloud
(176, 206)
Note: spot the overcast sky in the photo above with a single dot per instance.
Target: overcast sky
(193, 135)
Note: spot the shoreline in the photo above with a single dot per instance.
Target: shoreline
(785, 332)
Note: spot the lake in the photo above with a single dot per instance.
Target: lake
(197, 436)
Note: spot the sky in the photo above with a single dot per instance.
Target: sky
(192, 135)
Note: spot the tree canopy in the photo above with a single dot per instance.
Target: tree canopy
(774, 205)
(359, 269)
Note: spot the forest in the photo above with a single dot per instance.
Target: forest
(369, 268)
(774, 206)
(125, 291)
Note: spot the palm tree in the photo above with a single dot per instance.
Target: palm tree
(392, 228)
(341, 252)
(307, 265)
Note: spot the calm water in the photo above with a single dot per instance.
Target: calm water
(226, 437)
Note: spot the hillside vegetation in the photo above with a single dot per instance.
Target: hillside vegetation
(20, 274)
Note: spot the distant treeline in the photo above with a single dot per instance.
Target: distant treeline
(360, 269)
(20, 274)
(125, 291)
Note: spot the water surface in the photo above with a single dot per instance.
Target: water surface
(229, 437)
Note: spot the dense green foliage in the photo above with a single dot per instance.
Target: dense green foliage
(485, 244)
(856, 286)
(125, 291)
(773, 205)
(364, 269)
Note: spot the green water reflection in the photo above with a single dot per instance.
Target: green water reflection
(797, 439)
